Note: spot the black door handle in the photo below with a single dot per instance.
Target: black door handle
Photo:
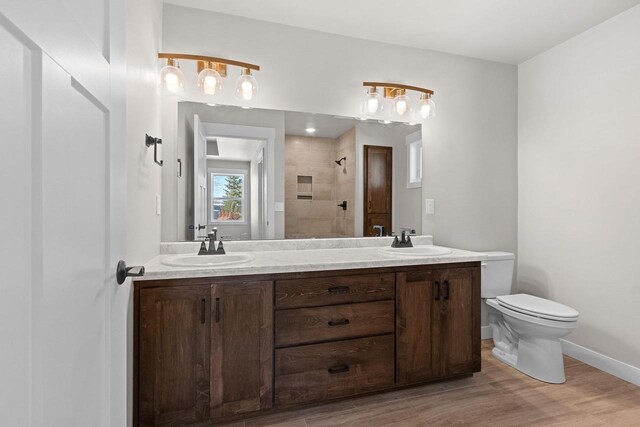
(338, 322)
(122, 272)
(446, 290)
(203, 311)
(339, 369)
(436, 285)
(338, 289)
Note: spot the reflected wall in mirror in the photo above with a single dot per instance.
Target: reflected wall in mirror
(266, 174)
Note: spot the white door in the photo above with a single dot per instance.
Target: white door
(62, 186)
(199, 179)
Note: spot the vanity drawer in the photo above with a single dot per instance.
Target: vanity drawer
(326, 371)
(312, 292)
(307, 325)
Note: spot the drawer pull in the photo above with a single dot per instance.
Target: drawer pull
(339, 290)
(339, 369)
(338, 322)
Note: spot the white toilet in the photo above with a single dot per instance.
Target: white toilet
(526, 329)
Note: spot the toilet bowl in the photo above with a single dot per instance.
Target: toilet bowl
(526, 329)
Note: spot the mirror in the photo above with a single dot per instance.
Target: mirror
(268, 174)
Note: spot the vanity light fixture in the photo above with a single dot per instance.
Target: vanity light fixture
(172, 77)
(372, 102)
(402, 103)
(211, 72)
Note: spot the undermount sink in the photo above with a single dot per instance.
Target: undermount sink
(206, 260)
(416, 251)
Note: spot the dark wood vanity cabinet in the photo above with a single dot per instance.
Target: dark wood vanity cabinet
(209, 350)
(174, 354)
(437, 324)
(204, 351)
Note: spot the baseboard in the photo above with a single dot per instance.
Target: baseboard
(600, 361)
(485, 333)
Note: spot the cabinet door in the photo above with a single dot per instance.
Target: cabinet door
(459, 320)
(242, 347)
(174, 350)
(417, 331)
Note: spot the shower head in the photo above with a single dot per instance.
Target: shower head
(340, 161)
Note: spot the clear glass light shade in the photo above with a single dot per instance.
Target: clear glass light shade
(172, 79)
(246, 86)
(426, 109)
(210, 81)
(402, 105)
(372, 103)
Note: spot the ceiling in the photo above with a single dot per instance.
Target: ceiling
(510, 31)
(234, 149)
(326, 126)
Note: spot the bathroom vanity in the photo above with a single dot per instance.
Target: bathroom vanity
(293, 327)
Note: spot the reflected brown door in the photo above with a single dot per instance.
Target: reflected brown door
(377, 188)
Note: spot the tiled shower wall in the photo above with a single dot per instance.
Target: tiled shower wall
(315, 157)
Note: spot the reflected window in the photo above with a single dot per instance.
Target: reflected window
(414, 164)
(228, 202)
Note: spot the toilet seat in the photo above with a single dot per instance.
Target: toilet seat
(538, 307)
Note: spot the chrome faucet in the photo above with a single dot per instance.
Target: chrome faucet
(380, 229)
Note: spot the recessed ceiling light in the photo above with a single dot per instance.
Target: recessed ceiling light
(212, 105)
(362, 119)
(310, 130)
(246, 108)
(411, 123)
(384, 122)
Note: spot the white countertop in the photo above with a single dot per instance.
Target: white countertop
(300, 256)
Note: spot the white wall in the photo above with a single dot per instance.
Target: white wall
(144, 27)
(579, 172)
(470, 147)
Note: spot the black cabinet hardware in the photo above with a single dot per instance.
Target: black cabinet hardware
(343, 205)
(338, 322)
(203, 311)
(217, 310)
(339, 289)
(436, 286)
(446, 290)
(339, 369)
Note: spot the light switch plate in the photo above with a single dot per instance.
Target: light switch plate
(278, 206)
(429, 207)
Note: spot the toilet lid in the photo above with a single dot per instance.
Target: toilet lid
(538, 307)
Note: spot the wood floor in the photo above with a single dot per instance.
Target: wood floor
(498, 396)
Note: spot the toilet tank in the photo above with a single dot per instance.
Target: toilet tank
(497, 274)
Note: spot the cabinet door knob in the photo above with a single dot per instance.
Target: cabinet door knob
(436, 286)
(338, 322)
(339, 369)
(446, 290)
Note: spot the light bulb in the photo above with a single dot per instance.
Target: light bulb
(402, 104)
(247, 86)
(171, 77)
(426, 107)
(372, 102)
(209, 81)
